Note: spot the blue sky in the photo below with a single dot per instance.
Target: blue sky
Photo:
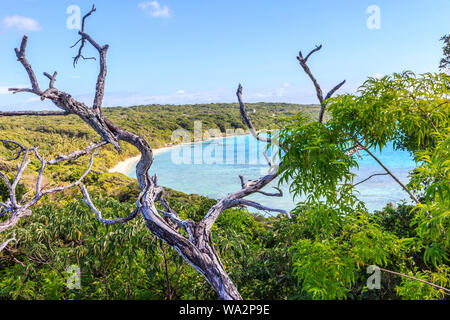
(173, 51)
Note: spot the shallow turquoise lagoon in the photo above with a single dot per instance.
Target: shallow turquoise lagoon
(212, 168)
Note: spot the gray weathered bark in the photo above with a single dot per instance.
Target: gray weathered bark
(17, 209)
(357, 146)
(322, 100)
(198, 249)
(4, 244)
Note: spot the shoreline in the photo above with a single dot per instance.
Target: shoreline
(125, 166)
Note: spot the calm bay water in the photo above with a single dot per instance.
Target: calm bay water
(212, 168)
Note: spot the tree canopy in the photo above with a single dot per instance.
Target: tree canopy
(411, 112)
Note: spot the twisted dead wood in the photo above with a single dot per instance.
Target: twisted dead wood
(322, 100)
(17, 209)
(198, 249)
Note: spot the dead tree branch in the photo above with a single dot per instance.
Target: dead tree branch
(322, 100)
(246, 118)
(4, 244)
(76, 154)
(91, 205)
(51, 78)
(389, 172)
(82, 40)
(198, 249)
(100, 87)
(20, 208)
(20, 53)
(370, 177)
(33, 113)
(249, 203)
(64, 101)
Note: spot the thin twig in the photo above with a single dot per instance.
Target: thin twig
(447, 291)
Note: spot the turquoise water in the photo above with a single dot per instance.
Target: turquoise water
(212, 168)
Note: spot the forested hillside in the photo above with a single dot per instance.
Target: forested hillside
(70, 229)
(55, 135)
(125, 261)
(267, 257)
(62, 135)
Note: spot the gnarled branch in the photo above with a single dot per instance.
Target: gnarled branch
(23, 60)
(246, 118)
(322, 100)
(244, 202)
(52, 79)
(64, 101)
(83, 40)
(102, 50)
(33, 113)
(198, 250)
(91, 205)
(19, 208)
(76, 154)
(4, 244)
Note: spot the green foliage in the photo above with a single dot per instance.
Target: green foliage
(336, 272)
(4, 191)
(321, 253)
(411, 112)
(416, 290)
(404, 109)
(62, 135)
(127, 262)
(445, 61)
(330, 265)
(117, 262)
(315, 163)
(312, 150)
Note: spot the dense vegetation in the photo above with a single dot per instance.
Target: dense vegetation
(62, 135)
(411, 112)
(63, 231)
(321, 253)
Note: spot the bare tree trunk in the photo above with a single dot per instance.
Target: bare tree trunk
(197, 252)
(198, 249)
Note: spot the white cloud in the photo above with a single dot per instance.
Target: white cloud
(21, 23)
(378, 75)
(154, 9)
(34, 99)
(286, 84)
(4, 90)
(30, 107)
(181, 92)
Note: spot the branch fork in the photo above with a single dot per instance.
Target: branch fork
(322, 100)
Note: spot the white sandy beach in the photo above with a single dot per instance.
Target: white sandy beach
(125, 166)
